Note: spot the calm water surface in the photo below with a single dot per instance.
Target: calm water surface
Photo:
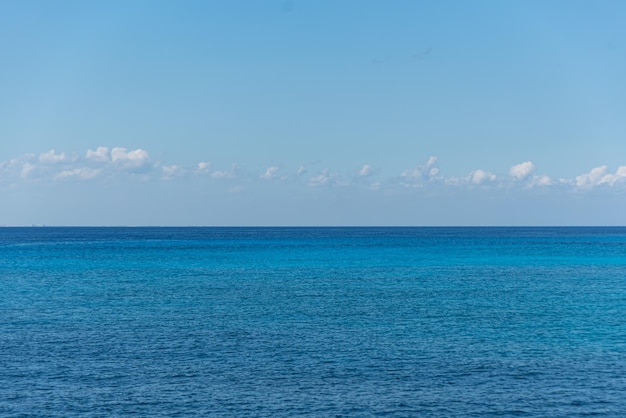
(313, 321)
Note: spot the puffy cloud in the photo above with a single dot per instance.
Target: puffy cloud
(522, 170)
(599, 176)
(119, 156)
(104, 162)
(431, 167)
(22, 167)
(541, 181)
(132, 159)
(100, 161)
(270, 173)
(422, 173)
(480, 176)
(100, 154)
(51, 157)
(203, 167)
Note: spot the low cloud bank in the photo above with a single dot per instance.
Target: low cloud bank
(105, 162)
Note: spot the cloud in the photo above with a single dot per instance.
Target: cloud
(27, 169)
(480, 176)
(51, 157)
(130, 159)
(541, 181)
(170, 171)
(122, 163)
(84, 173)
(365, 171)
(321, 179)
(235, 171)
(600, 176)
(270, 173)
(595, 177)
(100, 154)
(203, 167)
(430, 164)
(421, 174)
(53, 165)
(21, 167)
(522, 170)
(119, 156)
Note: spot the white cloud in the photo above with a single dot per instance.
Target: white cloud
(43, 166)
(480, 176)
(321, 179)
(203, 167)
(22, 166)
(600, 175)
(522, 170)
(432, 161)
(595, 177)
(120, 163)
(100, 154)
(51, 157)
(541, 181)
(422, 173)
(131, 159)
(270, 173)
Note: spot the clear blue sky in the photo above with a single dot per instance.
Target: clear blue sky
(312, 112)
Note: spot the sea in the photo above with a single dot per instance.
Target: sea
(313, 322)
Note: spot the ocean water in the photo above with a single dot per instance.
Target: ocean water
(325, 322)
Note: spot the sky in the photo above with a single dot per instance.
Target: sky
(236, 113)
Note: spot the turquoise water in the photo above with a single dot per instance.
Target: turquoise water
(313, 321)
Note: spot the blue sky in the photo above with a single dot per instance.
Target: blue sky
(313, 113)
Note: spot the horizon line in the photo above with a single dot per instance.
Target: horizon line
(309, 226)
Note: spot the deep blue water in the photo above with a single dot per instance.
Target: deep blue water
(313, 321)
